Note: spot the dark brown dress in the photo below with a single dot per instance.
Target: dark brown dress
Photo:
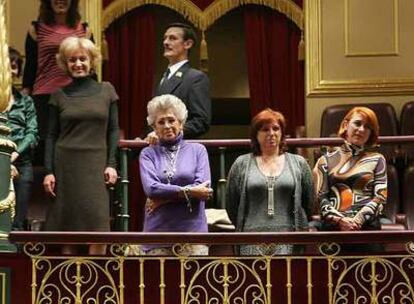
(80, 156)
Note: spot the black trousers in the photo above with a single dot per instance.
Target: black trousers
(42, 112)
(23, 189)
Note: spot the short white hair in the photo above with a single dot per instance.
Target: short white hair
(165, 103)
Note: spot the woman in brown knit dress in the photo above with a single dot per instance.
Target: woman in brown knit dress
(81, 144)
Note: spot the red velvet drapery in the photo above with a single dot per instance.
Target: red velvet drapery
(131, 68)
(276, 77)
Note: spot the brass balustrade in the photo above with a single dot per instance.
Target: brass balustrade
(327, 275)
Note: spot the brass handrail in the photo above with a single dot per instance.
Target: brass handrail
(293, 142)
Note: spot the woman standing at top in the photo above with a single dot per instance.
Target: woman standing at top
(58, 19)
(269, 189)
(81, 144)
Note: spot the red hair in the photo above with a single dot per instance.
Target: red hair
(264, 117)
(372, 121)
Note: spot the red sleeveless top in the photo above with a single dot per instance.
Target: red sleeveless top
(49, 76)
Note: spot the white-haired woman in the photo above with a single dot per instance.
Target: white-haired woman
(81, 143)
(175, 175)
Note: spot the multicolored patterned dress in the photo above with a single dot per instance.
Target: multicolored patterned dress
(352, 182)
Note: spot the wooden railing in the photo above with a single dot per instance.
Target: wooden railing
(216, 238)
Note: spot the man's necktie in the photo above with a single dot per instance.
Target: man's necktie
(164, 82)
(165, 76)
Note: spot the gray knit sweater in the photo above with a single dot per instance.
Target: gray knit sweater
(303, 194)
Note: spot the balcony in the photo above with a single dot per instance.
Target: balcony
(328, 267)
(322, 273)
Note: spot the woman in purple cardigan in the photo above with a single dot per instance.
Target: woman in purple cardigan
(175, 175)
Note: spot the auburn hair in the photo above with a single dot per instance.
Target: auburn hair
(264, 117)
(372, 122)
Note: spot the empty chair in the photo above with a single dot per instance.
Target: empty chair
(407, 128)
(300, 132)
(392, 207)
(387, 118)
(408, 196)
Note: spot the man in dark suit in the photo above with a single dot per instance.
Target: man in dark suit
(188, 84)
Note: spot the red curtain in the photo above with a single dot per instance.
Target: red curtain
(131, 69)
(276, 76)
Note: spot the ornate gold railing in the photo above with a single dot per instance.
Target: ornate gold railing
(322, 274)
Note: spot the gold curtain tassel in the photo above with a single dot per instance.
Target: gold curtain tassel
(104, 48)
(301, 48)
(203, 53)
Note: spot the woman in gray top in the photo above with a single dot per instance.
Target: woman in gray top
(269, 189)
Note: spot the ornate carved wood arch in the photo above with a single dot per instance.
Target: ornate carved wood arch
(202, 19)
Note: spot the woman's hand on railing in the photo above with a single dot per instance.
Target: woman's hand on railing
(110, 176)
(151, 138)
(14, 156)
(348, 224)
(49, 183)
(14, 172)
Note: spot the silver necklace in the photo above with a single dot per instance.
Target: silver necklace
(171, 155)
(270, 181)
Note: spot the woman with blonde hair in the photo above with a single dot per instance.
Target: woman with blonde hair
(81, 143)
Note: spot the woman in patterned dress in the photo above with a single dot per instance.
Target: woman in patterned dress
(351, 181)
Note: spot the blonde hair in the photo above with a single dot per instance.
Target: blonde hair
(164, 103)
(72, 44)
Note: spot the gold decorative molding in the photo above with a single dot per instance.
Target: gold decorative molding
(318, 86)
(7, 144)
(3, 288)
(376, 278)
(93, 15)
(395, 41)
(8, 19)
(202, 19)
(9, 202)
(5, 75)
